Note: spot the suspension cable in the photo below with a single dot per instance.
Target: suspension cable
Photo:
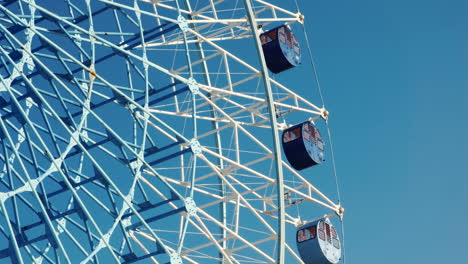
(314, 69)
(311, 57)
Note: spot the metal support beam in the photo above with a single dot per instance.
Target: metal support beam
(277, 150)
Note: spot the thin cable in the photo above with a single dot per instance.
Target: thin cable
(312, 61)
(343, 244)
(314, 68)
(333, 162)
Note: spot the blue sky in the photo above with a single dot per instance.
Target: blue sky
(395, 82)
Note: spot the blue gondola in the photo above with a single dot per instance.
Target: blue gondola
(318, 243)
(303, 145)
(281, 49)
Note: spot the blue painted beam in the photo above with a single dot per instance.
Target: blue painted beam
(153, 150)
(168, 157)
(132, 258)
(157, 217)
(145, 206)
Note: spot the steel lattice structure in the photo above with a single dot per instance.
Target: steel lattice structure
(135, 131)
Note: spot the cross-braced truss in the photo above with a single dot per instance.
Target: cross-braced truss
(135, 131)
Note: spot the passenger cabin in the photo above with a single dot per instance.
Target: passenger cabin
(303, 145)
(281, 49)
(318, 243)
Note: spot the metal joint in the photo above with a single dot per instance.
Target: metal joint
(340, 211)
(300, 18)
(175, 258)
(190, 206)
(193, 85)
(183, 24)
(195, 147)
(324, 113)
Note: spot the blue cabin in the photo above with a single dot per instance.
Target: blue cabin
(318, 243)
(281, 49)
(303, 145)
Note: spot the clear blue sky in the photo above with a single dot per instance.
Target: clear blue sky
(395, 80)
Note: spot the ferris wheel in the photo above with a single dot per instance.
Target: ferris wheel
(155, 131)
